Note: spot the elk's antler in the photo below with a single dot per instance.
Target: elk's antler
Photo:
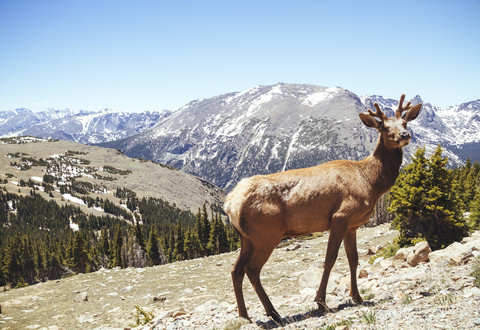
(400, 108)
(378, 113)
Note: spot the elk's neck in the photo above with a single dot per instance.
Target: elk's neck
(385, 166)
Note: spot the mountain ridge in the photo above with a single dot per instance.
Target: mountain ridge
(272, 128)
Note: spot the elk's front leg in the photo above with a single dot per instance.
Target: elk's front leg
(350, 243)
(336, 235)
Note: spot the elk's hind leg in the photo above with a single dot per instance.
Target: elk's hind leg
(238, 273)
(260, 255)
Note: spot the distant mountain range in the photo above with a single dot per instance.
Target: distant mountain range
(273, 128)
(86, 127)
(262, 130)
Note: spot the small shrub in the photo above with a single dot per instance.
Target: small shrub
(142, 317)
(236, 323)
(370, 317)
(476, 273)
(407, 300)
(367, 294)
(387, 252)
(445, 299)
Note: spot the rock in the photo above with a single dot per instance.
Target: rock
(402, 254)
(178, 312)
(385, 264)
(296, 247)
(207, 307)
(420, 253)
(362, 274)
(311, 277)
(372, 250)
(82, 297)
(377, 261)
(455, 261)
(398, 264)
(161, 299)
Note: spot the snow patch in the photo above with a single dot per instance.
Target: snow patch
(73, 199)
(317, 98)
(74, 226)
(36, 178)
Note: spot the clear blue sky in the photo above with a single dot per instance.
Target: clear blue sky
(151, 55)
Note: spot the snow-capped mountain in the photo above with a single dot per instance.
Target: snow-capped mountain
(262, 130)
(80, 126)
(273, 128)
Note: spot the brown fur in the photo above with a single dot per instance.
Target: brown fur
(338, 196)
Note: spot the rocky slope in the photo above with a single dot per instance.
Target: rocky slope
(197, 294)
(272, 128)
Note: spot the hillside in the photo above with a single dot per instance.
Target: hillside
(272, 128)
(105, 169)
(198, 293)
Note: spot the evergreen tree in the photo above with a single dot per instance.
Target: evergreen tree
(139, 235)
(104, 249)
(203, 227)
(192, 246)
(179, 250)
(27, 260)
(12, 267)
(426, 202)
(470, 184)
(475, 209)
(79, 257)
(117, 248)
(218, 241)
(153, 251)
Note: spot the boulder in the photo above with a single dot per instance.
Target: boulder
(402, 254)
(363, 273)
(420, 253)
(82, 297)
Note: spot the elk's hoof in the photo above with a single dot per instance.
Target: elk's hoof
(322, 307)
(275, 317)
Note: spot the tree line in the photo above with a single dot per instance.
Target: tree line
(38, 241)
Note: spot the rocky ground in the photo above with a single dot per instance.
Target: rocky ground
(437, 293)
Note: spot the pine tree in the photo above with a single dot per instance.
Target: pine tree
(203, 227)
(426, 202)
(79, 258)
(153, 251)
(218, 241)
(139, 235)
(470, 184)
(475, 209)
(179, 250)
(116, 248)
(12, 267)
(27, 260)
(104, 249)
(192, 246)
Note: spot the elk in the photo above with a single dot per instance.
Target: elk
(339, 196)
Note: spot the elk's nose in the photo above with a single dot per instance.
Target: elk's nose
(405, 135)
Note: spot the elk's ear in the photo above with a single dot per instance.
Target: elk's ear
(369, 120)
(413, 112)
